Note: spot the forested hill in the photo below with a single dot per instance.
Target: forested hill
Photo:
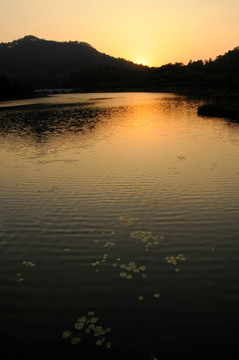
(39, 63)
(42, 63)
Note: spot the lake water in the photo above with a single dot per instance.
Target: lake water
(119, 228)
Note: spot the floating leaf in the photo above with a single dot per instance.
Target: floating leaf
(75, 340)
(66, 334)
(129, 277)
(123, 266)
(82, 319)
(123, 274)
(142, 268)
(94, 320)
(108, 345)
(79, 325)
(156, 296)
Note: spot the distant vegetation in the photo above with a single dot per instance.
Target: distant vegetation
(37, 63)
(12, 89)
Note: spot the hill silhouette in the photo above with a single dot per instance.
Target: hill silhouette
(38, 63)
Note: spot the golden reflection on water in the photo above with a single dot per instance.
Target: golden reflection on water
(125, 134)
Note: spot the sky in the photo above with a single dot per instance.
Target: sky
(151, 32)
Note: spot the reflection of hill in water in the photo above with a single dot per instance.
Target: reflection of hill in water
(44, 120)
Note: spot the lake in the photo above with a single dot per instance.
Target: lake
(119, 228)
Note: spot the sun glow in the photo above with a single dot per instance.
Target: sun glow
(141, 61)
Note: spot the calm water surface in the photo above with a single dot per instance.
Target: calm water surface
(119, 228)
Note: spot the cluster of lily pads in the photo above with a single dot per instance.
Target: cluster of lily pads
(28, 263)
(102, 260)
(147, 237)
(127, 271)
(131, 269)
(156, 296)
(87, 325)
(127, 220)
(108, 233)
(19, 277)
(109, 243)
(174, 260)
(25, 263)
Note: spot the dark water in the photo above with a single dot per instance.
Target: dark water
(121, 211)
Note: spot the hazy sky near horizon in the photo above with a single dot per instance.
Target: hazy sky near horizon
(154, 32)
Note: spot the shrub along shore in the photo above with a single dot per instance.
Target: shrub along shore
(221, 106)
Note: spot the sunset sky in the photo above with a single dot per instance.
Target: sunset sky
(152, 32)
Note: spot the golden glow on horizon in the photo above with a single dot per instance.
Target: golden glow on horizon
(161, 31)
(140, 61)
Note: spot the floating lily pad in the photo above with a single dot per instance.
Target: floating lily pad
(129, 277)
(123, 274)
(79, 325)
(156, 296)
(75, 340)
(99, 342)
(66, 334)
